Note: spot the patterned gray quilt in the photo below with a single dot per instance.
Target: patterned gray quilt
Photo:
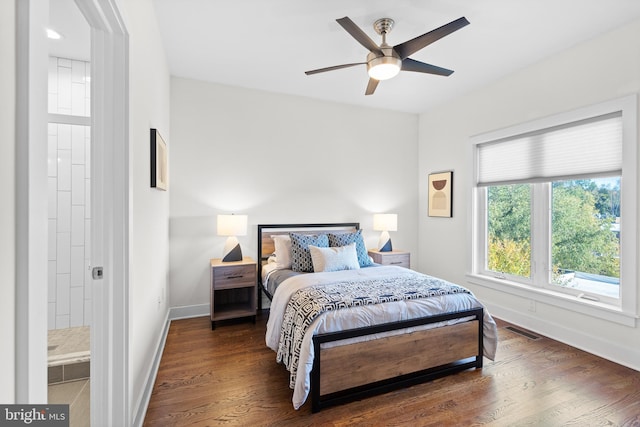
(309, 303)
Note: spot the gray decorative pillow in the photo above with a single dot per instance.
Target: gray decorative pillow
(300, 254)
(343, 239)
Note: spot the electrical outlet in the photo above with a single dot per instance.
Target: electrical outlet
(532, 306)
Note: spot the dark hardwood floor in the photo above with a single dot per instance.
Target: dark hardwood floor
(229, 377)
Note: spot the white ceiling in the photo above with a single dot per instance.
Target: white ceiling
(66, 19)
(268, 45)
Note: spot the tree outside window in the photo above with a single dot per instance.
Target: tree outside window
(584, 233)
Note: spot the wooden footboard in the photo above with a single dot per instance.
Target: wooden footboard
(348, 372)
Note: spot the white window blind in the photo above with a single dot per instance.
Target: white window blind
(584, 148)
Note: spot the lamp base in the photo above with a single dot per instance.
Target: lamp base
(384, 243)
(232, 251)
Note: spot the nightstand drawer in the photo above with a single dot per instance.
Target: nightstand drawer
(234, 276)
(399, 258)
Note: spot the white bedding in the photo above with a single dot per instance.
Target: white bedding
(363, 315)
(267, 269)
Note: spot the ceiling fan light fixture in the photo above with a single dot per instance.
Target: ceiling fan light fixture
(384, 67)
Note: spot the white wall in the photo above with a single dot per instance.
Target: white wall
(149, 97)
(604, 68)
(279, 159)
(7, 195)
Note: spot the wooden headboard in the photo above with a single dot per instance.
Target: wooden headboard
(266, 246)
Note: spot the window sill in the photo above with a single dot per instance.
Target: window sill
(569, 302)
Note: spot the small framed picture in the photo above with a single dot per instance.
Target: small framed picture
(159, 175)
(441, 194)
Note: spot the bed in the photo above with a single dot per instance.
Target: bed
(355, 328)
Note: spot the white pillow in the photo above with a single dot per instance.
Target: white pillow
(283, 250)
(334, 259)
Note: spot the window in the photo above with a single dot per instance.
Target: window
(509, 230)
(585, 235)
(551, 214)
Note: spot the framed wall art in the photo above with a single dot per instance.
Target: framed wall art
(441, 194)
(159, 175)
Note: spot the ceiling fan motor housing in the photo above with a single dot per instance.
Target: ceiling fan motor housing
(383, 67)
(387, 66)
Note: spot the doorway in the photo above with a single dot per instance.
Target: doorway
(109, 394)
(69, 210)
(69, 213)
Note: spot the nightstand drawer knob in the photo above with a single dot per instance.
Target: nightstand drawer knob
(396, 262)
(235, 277)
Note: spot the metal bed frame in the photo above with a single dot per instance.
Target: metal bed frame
(463, 345)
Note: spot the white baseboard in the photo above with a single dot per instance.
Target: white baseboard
(189, 311)
(143, 404)
(599, 346)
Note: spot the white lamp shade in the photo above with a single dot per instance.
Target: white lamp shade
(232, 225)
(385, 222)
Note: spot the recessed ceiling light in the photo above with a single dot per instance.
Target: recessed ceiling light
(54, 35)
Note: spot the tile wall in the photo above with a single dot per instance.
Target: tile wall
(69, 175)
(69, 88)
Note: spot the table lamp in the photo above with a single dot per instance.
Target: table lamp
(232, 226)
(385, 223)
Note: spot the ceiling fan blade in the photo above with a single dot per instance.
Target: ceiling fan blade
(409, 64)
(412, 46)
(335, 67)
(359, 35)
(371, 86)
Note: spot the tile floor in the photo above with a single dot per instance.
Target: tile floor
(69, 354)
(68, 341)
(69, 362)
(77, 395)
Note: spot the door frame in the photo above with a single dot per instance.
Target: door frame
(110, 400)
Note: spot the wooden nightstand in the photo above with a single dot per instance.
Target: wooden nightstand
(233, 289)
(399, 258)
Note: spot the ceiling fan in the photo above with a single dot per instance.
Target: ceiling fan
(384, 61)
